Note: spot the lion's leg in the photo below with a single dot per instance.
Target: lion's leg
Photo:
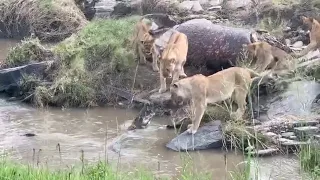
(141, 55)
(240, 98)
(182, 74)
(175, 76)
(263, 62)
(200, 108)
(311, 47)
(154, 60)
(163, 85)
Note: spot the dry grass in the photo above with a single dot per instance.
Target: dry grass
(47, 19)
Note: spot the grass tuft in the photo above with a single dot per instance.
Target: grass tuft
(309, 157)
(28, 51)
(50, 20)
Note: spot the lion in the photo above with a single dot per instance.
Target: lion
(270, 57)
(200, 90)
(172, 59)
(142, 41)
(314, 44)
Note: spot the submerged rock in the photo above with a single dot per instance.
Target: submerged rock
(208, 136)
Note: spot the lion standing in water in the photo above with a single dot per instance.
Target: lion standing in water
(232, 83)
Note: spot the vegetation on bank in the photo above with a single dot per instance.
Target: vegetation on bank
(49, 20)
(99, 170)
(85, 64)
(309, 157)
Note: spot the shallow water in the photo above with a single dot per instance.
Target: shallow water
(74, 130)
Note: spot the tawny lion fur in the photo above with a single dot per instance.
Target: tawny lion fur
(200, 90)
(172, 59)
(270, 57)
(314, 44)
(142, 41)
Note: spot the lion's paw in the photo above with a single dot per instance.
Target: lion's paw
(183, 75)
(162, 90)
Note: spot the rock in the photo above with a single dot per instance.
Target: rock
(121, 9)
(287, 134)
(89, 9)
(10, 78)
(104, 8)
(293, 137)
(211, 45)
(210, 2)
(304, 123)
(287, 29)
(208, 136)
(236, 4)
(193, 6)
(214, 8)
(288, 42)
(159, 6)
(297, 44)
(305, 132)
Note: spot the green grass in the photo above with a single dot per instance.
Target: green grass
(309, 157)
(88, 61)
(28, 51)
(95, 171)
(98, 171)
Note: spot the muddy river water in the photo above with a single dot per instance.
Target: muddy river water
(93, 130)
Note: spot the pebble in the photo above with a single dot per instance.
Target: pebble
(297, 44)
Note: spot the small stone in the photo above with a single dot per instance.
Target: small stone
(293, 137)
(286, 29)
(287, 134)
(270, 134)
(307, 129)
(297, 44)
(214, 8)
(191, 6)
(288, 42)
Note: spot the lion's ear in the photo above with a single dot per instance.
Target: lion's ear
(303, 18)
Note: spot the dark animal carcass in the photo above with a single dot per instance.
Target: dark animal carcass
(214, 46)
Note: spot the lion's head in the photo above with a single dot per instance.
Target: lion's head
(181, 92)
(168, 59)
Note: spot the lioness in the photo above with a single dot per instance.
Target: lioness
(270, 57)
(314, 44)
(172, 59)
(232, 83)
(142, 41)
